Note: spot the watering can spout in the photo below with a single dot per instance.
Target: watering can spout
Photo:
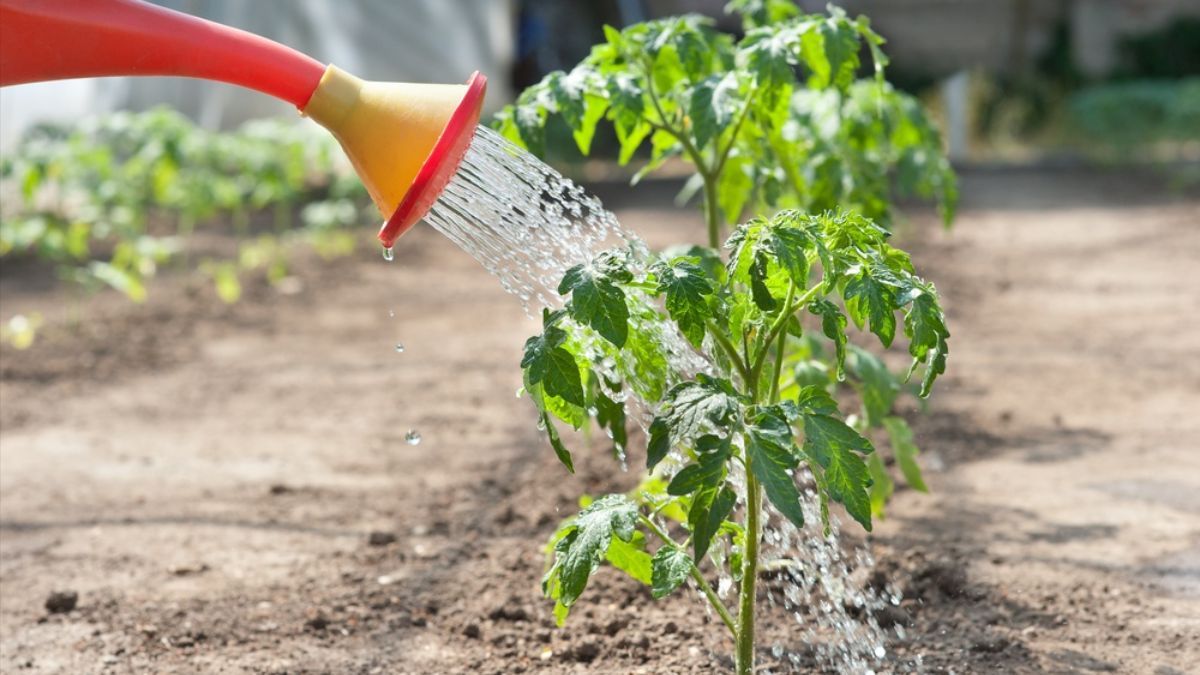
(404, 140)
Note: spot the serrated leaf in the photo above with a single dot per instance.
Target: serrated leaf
(693, 407)
(790, 247)
(597, 302)
(687, 290)
(833, 445)
(770, 452)
(547, 363)
(815, 400)
(869, 301)
(560, 450)
(586, 543)
(925, 327)
(671, 567)
(710, 508)
(833, 326)
(901, 438)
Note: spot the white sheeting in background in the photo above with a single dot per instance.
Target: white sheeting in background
(390, 40)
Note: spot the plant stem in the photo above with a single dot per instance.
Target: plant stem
(789, 308)
(712, 213)
(778, 366)
(713, 598)
(745, 632)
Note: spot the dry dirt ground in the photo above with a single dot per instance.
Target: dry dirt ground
(207, 478)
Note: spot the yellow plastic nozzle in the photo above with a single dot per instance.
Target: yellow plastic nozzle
(387, 129)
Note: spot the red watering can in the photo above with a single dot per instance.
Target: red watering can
(404, 140)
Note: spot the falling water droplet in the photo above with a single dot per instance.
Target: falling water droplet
(391, 313)
(388, 254)
(412, 437)
(399, 347)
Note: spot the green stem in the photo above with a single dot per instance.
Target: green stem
(745, 632)
(778, 366)
(709, 175)
(712, 212)
(705, 588)
(789, 308)
(730, 351)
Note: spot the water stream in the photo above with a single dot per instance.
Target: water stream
(526, 224)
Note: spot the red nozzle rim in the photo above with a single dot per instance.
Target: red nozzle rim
(441, 164)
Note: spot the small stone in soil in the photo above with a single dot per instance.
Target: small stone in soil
(586, 652)
(318, 622)
(472, 631)
(61, 602)
(893, 616)
(381, 538)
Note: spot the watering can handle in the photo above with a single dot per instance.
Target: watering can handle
(58, 39)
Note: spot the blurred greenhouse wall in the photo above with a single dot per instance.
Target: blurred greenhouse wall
(404, 40)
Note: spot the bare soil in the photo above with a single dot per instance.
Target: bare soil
(228, 489)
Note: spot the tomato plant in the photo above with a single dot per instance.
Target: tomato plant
(731, 431)
(777, 122)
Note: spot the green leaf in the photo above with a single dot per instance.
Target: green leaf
(876, 385)
(630, 557)
(707, 471)
(710, 507)
(610, 414)
(882, 485)
(713, 104)
(671, 567)
(833, 325)
(551, 366)
(560, 450)
(815, 400)
(759, 273)
(925, 327)
(586, 542)
(833, 445)
(867, 299)
(687, 289)
(593, 111)
(770, 452)
(693, 407)
(597, 302)
(659, 444)
(790, 246)
(906, 450)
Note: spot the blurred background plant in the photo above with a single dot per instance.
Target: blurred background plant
(113, 199)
